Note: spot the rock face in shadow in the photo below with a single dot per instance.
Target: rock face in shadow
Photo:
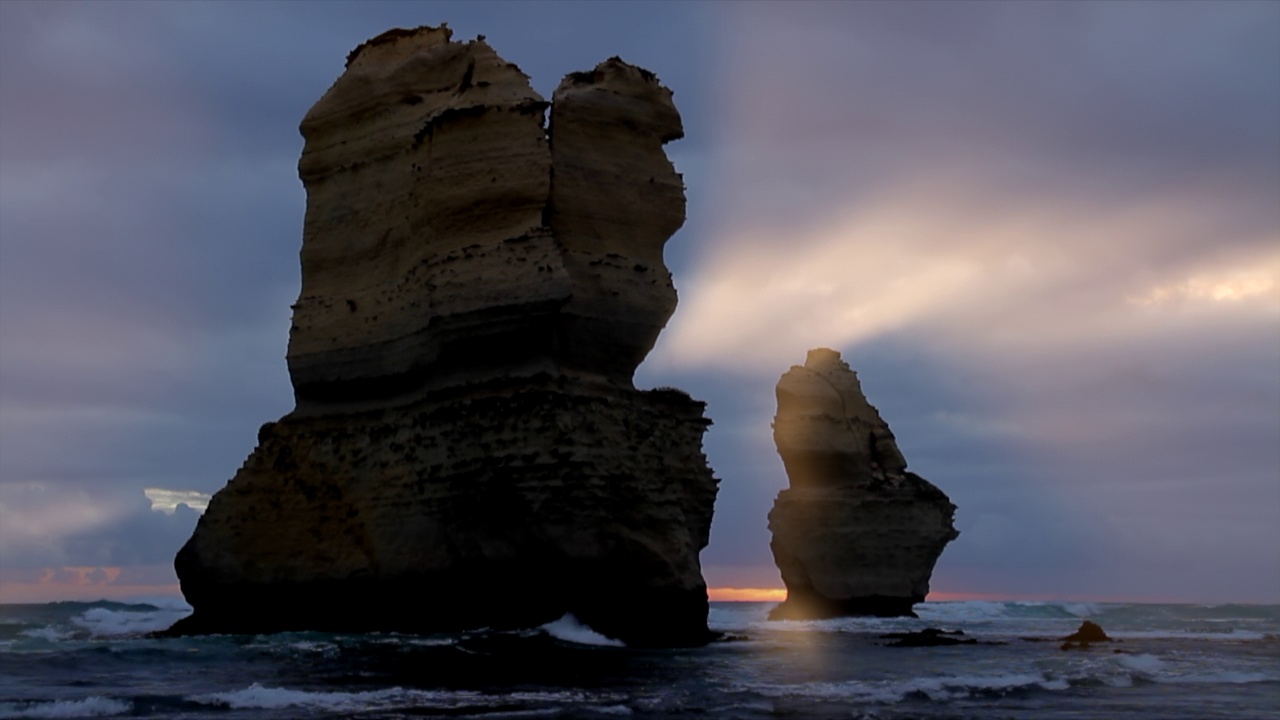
(467, 447)
(856, 533)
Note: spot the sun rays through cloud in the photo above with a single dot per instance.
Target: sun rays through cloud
(976, 273)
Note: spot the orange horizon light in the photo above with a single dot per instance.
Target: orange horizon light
(732, 594)
(775, 594)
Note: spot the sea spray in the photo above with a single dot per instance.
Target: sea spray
(569, 629)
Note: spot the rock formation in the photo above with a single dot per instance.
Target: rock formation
(467, 447)
(856, 533)
(1089, 632)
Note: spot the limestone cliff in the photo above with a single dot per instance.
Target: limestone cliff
(477, 290)
(856, 533)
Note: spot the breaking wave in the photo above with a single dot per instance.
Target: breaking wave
(137, 620)
(259, 697)
(92, 706)
(569, 629)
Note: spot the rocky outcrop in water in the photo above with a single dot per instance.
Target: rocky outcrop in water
(467, 447)
(1088, 633)
(856, 533)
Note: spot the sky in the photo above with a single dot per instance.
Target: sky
(1046, 235)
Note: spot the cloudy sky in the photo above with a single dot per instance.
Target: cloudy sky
(1046, 235)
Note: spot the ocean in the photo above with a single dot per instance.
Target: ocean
(72, 660)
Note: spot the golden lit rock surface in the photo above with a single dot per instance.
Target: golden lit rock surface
(855, 533)
(448, 237)
(468, 448)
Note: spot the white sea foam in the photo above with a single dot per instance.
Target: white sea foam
(106, 622)
(326, 649)
(934, 688)
(50, 633)
(618, 710)
(268, 698)
(92, 706)
(1148, 664)
(1082, 610)
(987, 610)
(258, 697)
(961, 611)
(569, 629)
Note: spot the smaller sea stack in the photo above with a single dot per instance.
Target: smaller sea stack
(855, 533)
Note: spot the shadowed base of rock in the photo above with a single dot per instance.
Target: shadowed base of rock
(504, 506)
(638, 617)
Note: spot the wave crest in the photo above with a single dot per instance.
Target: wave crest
(92, 706)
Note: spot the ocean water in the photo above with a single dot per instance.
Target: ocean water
(72, 660)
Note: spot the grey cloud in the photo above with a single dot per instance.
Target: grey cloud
(1088, 100)
(150, 219)
(79, 524)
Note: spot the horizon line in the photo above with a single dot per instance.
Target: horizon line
(43, 593)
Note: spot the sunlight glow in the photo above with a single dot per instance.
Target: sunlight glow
(87, 583)
(1231, 288)
(167, 501)
(962, 268)
(731, 594)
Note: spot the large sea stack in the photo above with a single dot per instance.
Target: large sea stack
(467, 447)
(856, 533)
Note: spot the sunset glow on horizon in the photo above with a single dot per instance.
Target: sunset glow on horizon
(731, 594)
(88, 584)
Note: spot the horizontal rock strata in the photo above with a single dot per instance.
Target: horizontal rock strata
(477, 290)
(448, 239)
(855, 533)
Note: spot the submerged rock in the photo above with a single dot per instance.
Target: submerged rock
(467, 447)
(932, 637)
(856, 533)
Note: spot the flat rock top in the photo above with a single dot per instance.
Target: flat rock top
(824, 385)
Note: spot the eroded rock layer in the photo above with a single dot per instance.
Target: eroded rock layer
(448, 238)
(477, 290)
(856, 533)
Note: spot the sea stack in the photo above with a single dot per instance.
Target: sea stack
(855, 533)
(467, 447)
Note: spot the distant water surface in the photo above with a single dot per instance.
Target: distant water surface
(73, 660)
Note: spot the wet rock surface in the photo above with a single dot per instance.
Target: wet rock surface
(1088, 633)
(856, 533)
(933, 637)
(467, 447)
